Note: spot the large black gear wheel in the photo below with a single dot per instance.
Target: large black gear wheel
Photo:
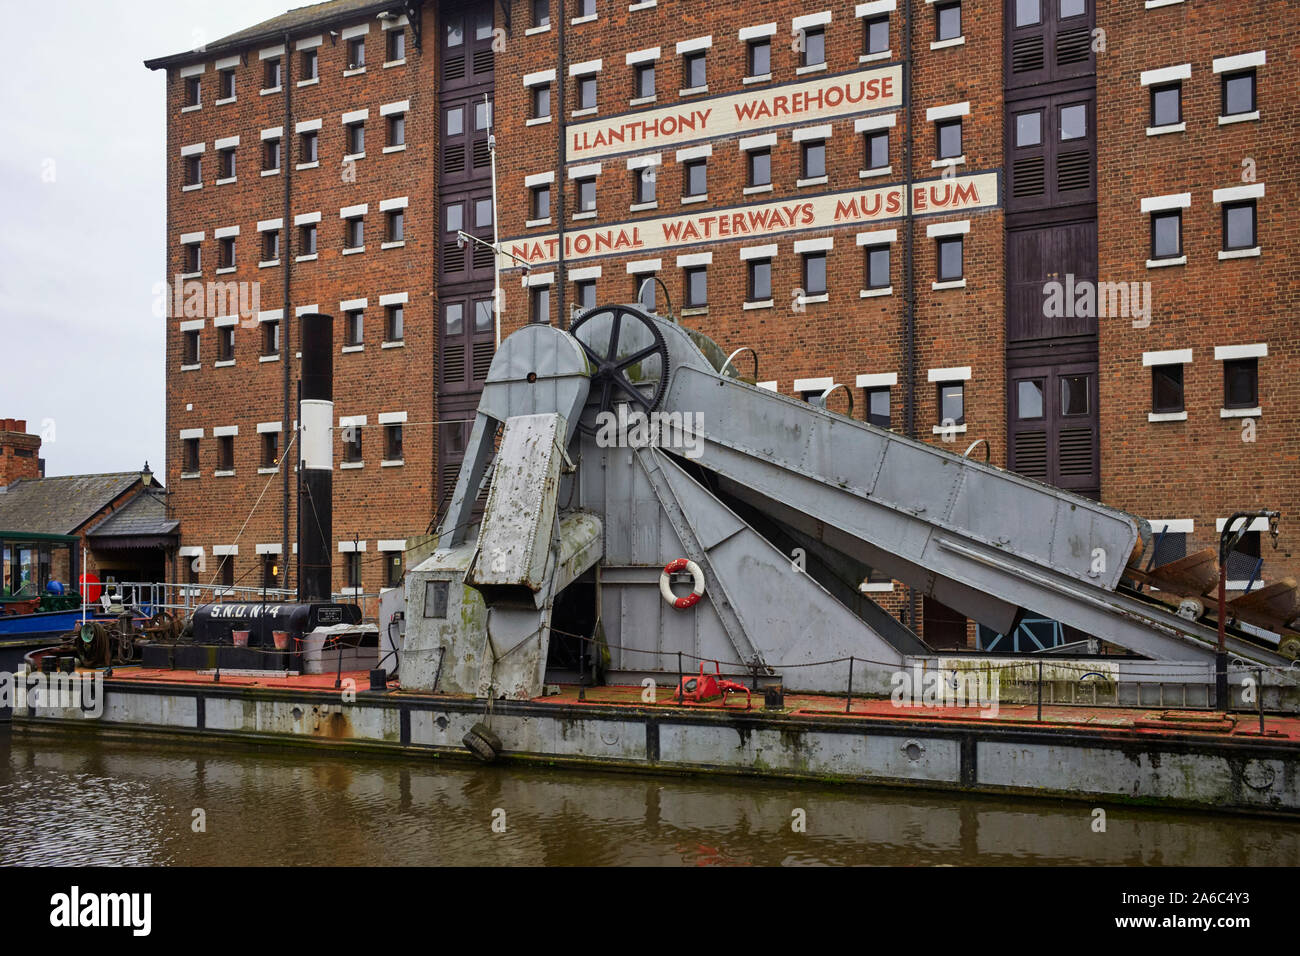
(629, 357)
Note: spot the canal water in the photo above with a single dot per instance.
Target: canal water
(66, 800)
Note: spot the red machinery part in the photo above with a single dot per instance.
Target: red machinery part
(700, 688)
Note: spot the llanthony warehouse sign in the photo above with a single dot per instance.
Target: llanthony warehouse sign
(825, 98)
(761, 220)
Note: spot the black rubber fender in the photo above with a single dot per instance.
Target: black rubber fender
(482, 743)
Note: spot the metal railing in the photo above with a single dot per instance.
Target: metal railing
(153, 596)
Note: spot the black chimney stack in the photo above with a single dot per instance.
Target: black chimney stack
(316, 477)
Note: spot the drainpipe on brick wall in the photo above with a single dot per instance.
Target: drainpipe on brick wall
(909, 272)
(286, 250)
(561, 128)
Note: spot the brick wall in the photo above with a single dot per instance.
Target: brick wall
(1206, 467)
(1197, 469)
(847, 335)
(372, 502)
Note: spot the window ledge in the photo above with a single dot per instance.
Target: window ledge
(314, 164)
(191, 187)
(948, 161)
(694, 91)
(191, 368)
(643, 206)
(392, 463)
(1241, 412)
(755, 190)
(310, 258)
(1163, 263)
(393, 345)
(270, 172)
(400, 147)
(1239, 253)
(871, 57)
(350, 465)
(192, 275)
(357, 72)
(813, 299)
(191, 109)
(1171, 128)
(584, 215)
(268, 263)
(312, 82)
(760, 304)
(223, 474)
(759, 78)
(269, 358)
(1153, 4)
(815, 181)
(810, 68)
(643, 100)
(353, 157)
(950, 284)
(533, 31)
(534, 223)
(274, 89)
(945, 44)
(589, 111)
(537, 121)
(587, 19)
(189, 474)
(225, 270)
(268, 471)
(228, 179)
(228, 99)
(354, 250)
(1239, 118)
(872, 293)
(391, 63)
(696, 310)
(1166, 416)
(948, 430)
(688, 200)
(873, 588)
(396, 244)
(353, 348)
(224, 363)
(873, 173)
(642, 5)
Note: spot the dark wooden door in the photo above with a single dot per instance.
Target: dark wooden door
(466, 324)
(1065, 254)
(944, 629)
(1048, 40)
(1051, 149)
(1053, 421)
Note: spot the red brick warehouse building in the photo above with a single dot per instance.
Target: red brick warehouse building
(1088, 281)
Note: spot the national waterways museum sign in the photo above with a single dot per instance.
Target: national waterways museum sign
(828, 97)
(857, 207)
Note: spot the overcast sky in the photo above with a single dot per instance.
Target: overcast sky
(82, 191)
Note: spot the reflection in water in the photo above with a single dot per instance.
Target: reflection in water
(74, 801)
